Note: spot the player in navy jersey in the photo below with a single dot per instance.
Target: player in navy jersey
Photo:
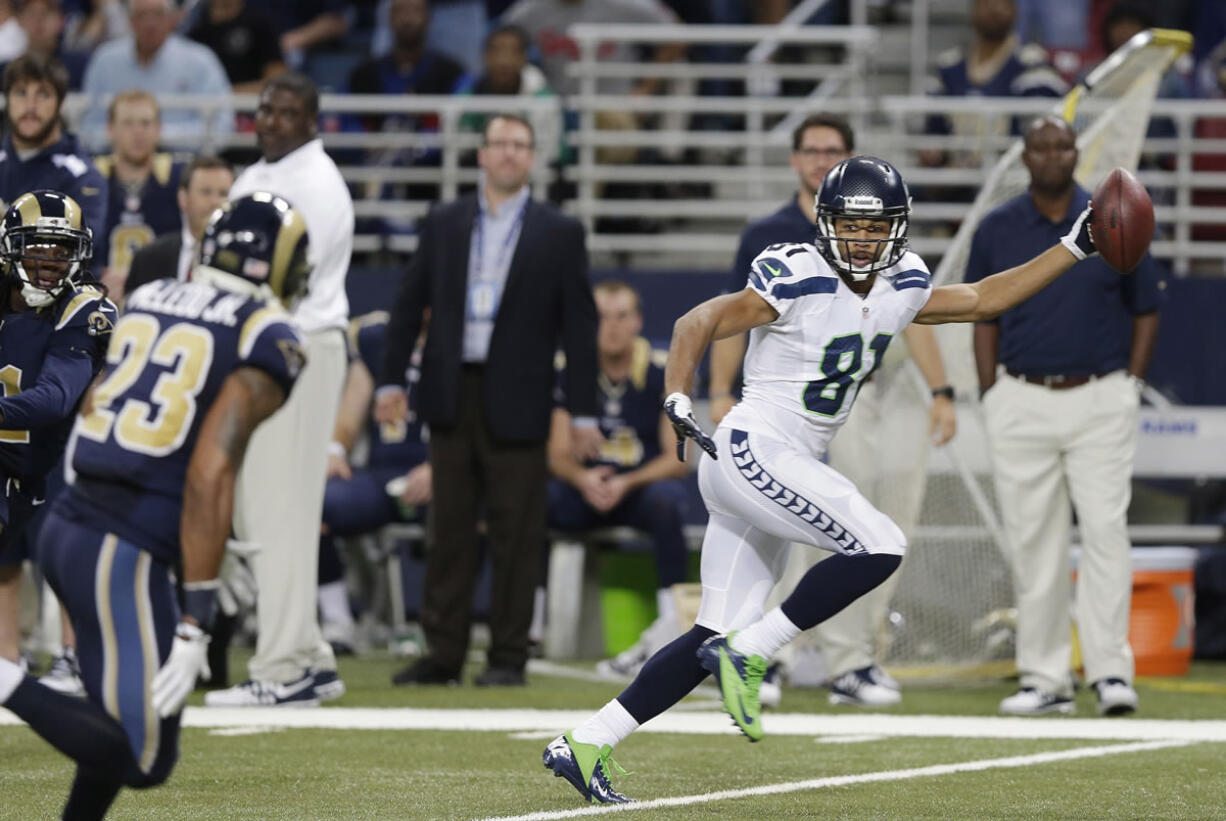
(636, 479)
(193, 368)
(143, 183)
(360, 500)
(53, 332)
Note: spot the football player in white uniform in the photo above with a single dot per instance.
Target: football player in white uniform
(820, 317)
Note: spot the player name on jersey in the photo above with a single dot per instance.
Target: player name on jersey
(198, 303)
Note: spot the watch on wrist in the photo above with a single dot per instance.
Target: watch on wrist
(945, 390)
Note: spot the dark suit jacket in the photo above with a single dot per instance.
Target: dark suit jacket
(547, 302)
(157, 260)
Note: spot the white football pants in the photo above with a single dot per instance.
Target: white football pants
(762, 494)
(886, 410)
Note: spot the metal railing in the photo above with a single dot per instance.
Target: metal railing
(701, 166)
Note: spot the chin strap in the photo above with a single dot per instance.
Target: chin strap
(36, 297)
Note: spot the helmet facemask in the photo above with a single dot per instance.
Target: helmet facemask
(862, 188)
(836, 250)
(46, 258)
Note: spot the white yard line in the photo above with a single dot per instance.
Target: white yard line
(254, 729)
(843, 739)
(845, 780)
(703, 723)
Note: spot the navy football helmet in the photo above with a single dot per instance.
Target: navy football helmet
(863, 188)
(44, 245)
(260, 240)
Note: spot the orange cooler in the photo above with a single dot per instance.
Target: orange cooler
(1162, 625)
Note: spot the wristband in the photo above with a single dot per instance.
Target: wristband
(337, 449)
(200, 602)
(945, 390)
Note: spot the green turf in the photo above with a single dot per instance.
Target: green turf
(328, 774)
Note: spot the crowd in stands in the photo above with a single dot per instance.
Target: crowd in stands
(443, 47)
(523, 48)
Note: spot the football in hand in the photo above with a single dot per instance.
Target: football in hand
(1123, 222)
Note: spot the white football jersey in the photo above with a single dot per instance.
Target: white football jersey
(803, 371)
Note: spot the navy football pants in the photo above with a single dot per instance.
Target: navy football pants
(122, 604)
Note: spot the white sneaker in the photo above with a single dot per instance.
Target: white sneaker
(1115, 697)
(328, 685)
(770, 691)
(64, 675)
(297, 693)
(627, 663)
(883, 678)
(860, 688)
(1031, 701)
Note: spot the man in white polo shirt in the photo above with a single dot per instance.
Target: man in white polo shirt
(279, 497)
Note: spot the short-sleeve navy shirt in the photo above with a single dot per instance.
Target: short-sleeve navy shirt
(1079, 325)
(788, 224)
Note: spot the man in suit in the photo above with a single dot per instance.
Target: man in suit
(505, 278)
(204, 185)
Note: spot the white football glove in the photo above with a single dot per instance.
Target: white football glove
(681, 413)
(188, 660)
(1079, 240)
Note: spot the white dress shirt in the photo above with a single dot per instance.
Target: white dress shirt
(494, 238)
(309, 180)
(187, 254)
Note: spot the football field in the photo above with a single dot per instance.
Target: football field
(434, 753)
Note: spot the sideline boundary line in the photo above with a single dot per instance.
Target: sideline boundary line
(845, 780)
(702, 723)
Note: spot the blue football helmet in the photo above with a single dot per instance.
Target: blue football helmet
(865, 188)
(260, 240)
(44, 245)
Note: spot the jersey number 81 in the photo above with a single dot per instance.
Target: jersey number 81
(841, 361)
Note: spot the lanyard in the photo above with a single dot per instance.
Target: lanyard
(479, 242)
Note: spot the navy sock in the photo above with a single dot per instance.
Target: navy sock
(77, 727)
(833, 583)
(91, 796)
(667, 677)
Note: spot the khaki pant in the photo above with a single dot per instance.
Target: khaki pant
(1054, 451)
(278, 504)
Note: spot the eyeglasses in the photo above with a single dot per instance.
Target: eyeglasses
(824, 153)
(516, 146)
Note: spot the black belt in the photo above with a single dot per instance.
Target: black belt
(1058, 381)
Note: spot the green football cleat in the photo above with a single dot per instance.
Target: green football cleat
(586, 768)
(739, 678)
